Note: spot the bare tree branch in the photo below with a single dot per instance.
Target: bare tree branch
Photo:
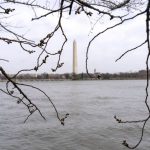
(4, 60)
(135, 48)
(91, 8)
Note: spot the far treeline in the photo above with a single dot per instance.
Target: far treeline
(81, 76)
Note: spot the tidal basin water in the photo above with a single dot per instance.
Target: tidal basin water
(90, 126)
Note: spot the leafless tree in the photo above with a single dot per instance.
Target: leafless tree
(130, 9)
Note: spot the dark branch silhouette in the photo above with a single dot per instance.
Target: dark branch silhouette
(92, 9)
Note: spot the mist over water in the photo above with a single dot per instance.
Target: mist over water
(90, 126)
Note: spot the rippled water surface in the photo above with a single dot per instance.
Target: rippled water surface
(90, 126)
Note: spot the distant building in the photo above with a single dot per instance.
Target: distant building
(75, 65)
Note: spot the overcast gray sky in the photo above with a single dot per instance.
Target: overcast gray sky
(103, 51)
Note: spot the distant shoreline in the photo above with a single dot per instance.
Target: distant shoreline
(39, 80)
(140, 75)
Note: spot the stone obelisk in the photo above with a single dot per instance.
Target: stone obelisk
(75, 57)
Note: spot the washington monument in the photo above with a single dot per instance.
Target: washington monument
(75, 57)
